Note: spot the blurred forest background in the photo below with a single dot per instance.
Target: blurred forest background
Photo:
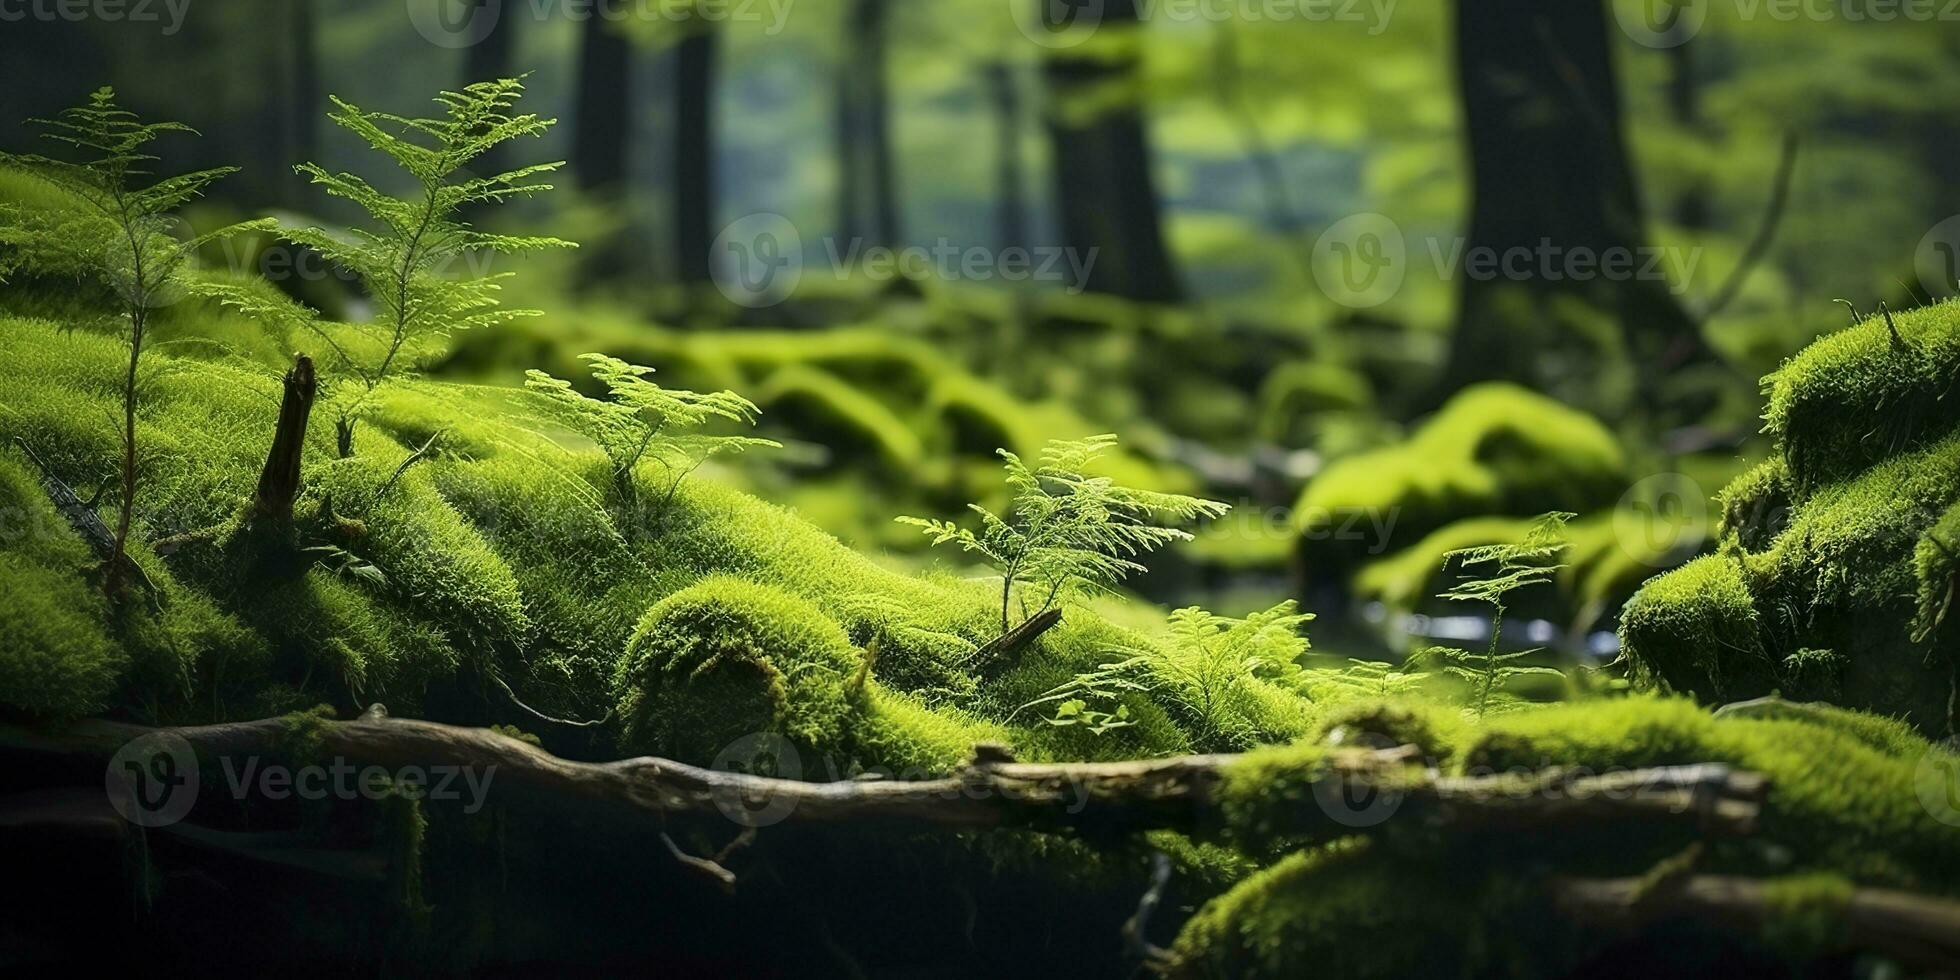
(1244, 236)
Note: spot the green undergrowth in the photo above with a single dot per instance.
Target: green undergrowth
(1388, 898)
(1836, 561)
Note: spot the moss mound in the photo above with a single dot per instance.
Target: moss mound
(1493, 449)
(1836, 561)
(725, 658)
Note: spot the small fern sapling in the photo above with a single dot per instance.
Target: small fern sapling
(1066, 531)
(1202, 669)
(643, 422)
(1211, 659)
(1514, 565)
(404, 257)
(122, 238)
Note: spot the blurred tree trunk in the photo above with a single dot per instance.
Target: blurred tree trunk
(602, 109)
(1549, 166)
(694, 152)
(868, 193)
(1010, 181)
(1684, 100)
(1103, 186)
(487, 60)
(308, 92)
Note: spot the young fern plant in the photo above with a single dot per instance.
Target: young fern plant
(643, 422)
(406, 255)
(122, 237)
(1066, 532)
(1202, 670)
(1515, 565)
(1211, 659)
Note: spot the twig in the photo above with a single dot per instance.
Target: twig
(541, 716)
(87, 522)
(1008, 646)
(1779, 200)
(413, 458)
(1136, 928)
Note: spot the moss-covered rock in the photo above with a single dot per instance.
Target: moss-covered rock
(1836, 553)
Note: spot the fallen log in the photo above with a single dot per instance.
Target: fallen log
(1917, 930)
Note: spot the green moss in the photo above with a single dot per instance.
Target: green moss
(1294, 398)
(1846, 566)
(55, 658)
(1806, 914)
(1936, 567)
(1696, 629)
(822, 408)
(1406, 578)
(727, 658)
(1495, 449)
(1350, 910)
(1842, 810)
(1860, 396)
(1839, 801)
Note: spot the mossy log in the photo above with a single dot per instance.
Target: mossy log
(1918, 931)
(1189, 793)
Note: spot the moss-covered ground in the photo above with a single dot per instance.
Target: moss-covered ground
(498, 579)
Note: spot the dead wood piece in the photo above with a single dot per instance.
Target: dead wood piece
(1114, 797)
(1919, 931)
(279, 480)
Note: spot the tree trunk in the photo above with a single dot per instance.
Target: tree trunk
(694, 151)
(603, 108)
(488, 60)
(1549, 167)
(279, 480)
(869, 202)
(308, 94)
(1684, 101)
(1010, 183)
(1103, 186)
